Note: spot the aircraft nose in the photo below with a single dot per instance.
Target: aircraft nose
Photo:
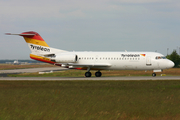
(170, 64)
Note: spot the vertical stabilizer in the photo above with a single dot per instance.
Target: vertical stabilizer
(37, 44)
(39, 48)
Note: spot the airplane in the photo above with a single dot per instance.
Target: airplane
(98, 61)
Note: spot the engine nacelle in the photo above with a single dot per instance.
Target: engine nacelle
(65, 58)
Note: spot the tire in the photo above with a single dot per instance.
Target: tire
(154, 74)
(88, 74)
(98, 74)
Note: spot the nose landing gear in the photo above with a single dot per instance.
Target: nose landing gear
(154, 74)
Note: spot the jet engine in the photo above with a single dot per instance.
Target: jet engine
(65, 58)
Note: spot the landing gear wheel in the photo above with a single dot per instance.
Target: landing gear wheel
(98, 74)
(154, 74)
(88, 74)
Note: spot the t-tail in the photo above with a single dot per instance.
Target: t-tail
(40, 50)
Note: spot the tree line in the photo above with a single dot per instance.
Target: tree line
(175, 58)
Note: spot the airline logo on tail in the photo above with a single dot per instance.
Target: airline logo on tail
(40, 48)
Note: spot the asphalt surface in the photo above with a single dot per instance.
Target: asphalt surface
(32, 70)
(4, 73)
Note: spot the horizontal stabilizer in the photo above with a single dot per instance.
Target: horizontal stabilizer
(24, 35)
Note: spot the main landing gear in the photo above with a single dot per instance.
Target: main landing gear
(97, 74)
(88, 74)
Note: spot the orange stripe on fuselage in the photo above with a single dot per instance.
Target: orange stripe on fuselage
(42, 59)
(36, 42)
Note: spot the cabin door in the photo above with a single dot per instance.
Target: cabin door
(148, 61)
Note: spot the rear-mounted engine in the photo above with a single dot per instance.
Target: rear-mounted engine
(65, 58)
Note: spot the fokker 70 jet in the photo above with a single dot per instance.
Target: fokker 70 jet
(94, 60)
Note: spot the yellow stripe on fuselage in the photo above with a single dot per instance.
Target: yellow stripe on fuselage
(36, 42)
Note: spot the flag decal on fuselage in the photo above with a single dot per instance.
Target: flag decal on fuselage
(143, 55)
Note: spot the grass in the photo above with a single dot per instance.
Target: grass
(89, 100)
(105, 73)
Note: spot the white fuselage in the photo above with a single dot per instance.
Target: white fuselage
(123, 60)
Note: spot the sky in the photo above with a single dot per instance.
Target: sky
(91, 25)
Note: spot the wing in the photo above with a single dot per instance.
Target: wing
(91, 65)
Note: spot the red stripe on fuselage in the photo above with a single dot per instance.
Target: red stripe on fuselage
(85, 68)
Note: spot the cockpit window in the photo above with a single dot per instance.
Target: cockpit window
(160, 57)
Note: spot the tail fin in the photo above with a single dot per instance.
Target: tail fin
(36, 43)
(39, 48)
(34, 38)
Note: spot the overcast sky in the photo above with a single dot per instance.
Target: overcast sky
(91, 25)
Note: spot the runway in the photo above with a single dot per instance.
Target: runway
(3, 74)
(85, 78)
(32, 70)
